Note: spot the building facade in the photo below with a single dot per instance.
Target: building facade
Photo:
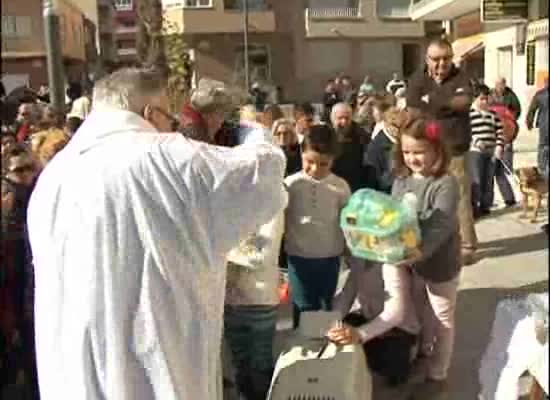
(125, 31)
(299, 44)
(23, 46)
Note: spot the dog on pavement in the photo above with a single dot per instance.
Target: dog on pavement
(533, 186)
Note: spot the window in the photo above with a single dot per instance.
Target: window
(253, 5)
(124, 5)
(16, 26)
(259, 63)
(197, 3)
(393, 9)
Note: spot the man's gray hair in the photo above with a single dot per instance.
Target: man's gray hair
(340, 106)
(128, 89)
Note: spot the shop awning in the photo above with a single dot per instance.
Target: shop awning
(464, 47)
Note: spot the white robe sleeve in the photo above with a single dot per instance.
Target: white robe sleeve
(244, 188)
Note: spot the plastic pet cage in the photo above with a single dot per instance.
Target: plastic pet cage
(304, 372)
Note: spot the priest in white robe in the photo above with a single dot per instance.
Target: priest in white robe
(129, 229)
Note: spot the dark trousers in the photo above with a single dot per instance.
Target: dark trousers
(388, 355)
(312, 284)
(249, 332)
(482, 168)
(501, 176)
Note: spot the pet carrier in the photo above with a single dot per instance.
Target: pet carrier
(314, 369)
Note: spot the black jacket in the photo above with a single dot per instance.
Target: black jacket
(379, 163)
(539, 107)
(433, 98)
(348, 165)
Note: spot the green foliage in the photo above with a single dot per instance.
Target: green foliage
(179, 64)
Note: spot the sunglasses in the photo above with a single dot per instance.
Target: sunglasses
(282, 133)
(22, 169)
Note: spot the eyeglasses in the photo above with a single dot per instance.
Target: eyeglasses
(174, 123)
(441, 59)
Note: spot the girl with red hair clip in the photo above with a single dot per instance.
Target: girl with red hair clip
(421, 167)
(429, 275)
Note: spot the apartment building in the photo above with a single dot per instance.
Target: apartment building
(23, 46)
(356, 37)
(298, 44)
(125, 32)
(106, 31)
(496, 38)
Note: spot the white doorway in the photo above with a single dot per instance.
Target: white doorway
(505, 64)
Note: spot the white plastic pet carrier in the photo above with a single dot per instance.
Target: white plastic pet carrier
(303, 372)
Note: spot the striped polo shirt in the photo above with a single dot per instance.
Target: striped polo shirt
(486, 130)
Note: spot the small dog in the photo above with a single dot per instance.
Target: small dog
(532, 186)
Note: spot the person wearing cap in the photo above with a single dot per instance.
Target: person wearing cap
(130, 225)
(204, 114)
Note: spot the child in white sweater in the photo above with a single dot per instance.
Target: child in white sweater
(314, 240)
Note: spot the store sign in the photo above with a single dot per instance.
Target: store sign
(504, 10)
(531, 62)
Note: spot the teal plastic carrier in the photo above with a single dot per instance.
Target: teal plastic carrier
(378, 227)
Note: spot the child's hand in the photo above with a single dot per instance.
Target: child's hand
(343, 334)
(412, 257)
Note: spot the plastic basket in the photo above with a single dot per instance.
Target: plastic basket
(379, 228)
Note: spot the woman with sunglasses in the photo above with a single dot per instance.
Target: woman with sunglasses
(16, 274)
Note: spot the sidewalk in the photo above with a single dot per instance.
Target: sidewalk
(514, 262)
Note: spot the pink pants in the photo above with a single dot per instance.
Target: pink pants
(435, 304)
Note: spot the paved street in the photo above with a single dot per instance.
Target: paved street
(514, 261)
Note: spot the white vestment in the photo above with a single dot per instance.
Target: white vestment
(129, 230)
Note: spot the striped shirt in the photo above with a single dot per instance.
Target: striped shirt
(486, 131)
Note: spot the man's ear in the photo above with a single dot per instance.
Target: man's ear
(147, 112)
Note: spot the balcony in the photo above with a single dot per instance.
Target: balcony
(537, 29)
(441, 10)
(219, 19)
(359, 19)
(334, 13)
(127, 52)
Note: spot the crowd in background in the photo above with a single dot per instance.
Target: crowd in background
(349, 146)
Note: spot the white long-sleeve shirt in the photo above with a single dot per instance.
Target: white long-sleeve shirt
(385, 297)
(129, 230)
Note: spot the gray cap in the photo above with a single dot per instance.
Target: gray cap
(212, 95)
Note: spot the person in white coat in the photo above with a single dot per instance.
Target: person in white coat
(129, 229)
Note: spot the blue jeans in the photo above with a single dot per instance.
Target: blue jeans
(501, 176)
(482, 169)
(249, 332)
(312, 283)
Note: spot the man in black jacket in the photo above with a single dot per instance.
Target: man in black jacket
(444, 91)
(353, 141)
(539, 109)
(330, 98)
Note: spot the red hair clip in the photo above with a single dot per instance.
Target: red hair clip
(433, 131)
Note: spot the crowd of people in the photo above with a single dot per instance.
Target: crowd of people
(145, 237)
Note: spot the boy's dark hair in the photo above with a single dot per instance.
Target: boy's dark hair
(73, 123)
(481, 90)
(304, 108)
(321, 139)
